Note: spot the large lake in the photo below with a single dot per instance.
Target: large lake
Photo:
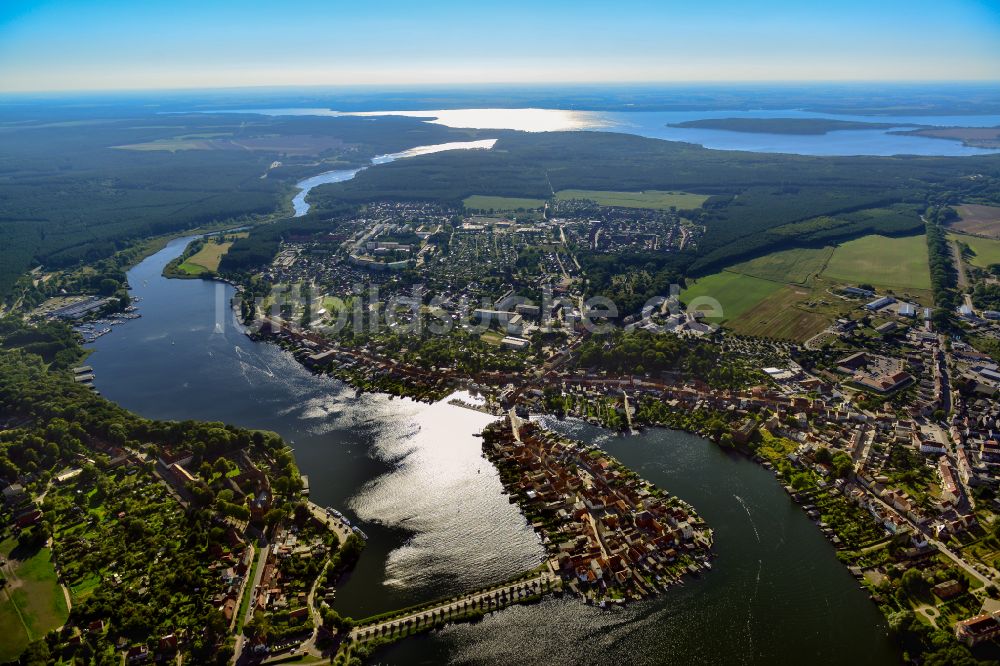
(776, 594)
(655, 124)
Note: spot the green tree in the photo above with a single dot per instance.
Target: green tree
(912, 582)
(36, 654)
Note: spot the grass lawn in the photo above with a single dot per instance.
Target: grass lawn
(481, 202)
(736, 293)
(986, 250)
(492, 337)
(191, 269)
(248, 591)
(15, 637)
(84, 588)
(648, 199)
(32, 603)
(880, 261)
(332, 303)
(205, 259)
(796, 266)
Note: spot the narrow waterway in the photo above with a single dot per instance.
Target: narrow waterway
(340, 175)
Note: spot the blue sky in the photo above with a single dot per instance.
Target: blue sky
(138, 44)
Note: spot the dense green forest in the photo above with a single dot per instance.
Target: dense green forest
(53, 341)
(77, 190)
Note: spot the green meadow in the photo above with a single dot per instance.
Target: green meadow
(482, 202)
(649, 199)
(32, 602)
(736, 293)
(900, 263)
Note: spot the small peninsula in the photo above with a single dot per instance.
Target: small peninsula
(973, 137)
(811, 126)
(611, 535)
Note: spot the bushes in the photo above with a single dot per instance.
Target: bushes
(986, 296)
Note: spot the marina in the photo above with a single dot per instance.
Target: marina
(90, 331)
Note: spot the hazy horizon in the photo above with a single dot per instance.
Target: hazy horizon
(74, 46)
(500, 86)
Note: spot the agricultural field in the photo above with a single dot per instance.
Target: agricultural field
(785, 294)
(791, 313)
(288, 145)
(656, 199)
(796, 266)
(481, 202)
(985, 251)
(201, 141)
(898, 263)
(31, 603)
(736, 293)
(978, 220)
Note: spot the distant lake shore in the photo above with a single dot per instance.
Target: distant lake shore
(791, 131)
(811, 126)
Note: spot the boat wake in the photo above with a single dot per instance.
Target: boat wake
(244, 365)
(747, 509)
(756, 586)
